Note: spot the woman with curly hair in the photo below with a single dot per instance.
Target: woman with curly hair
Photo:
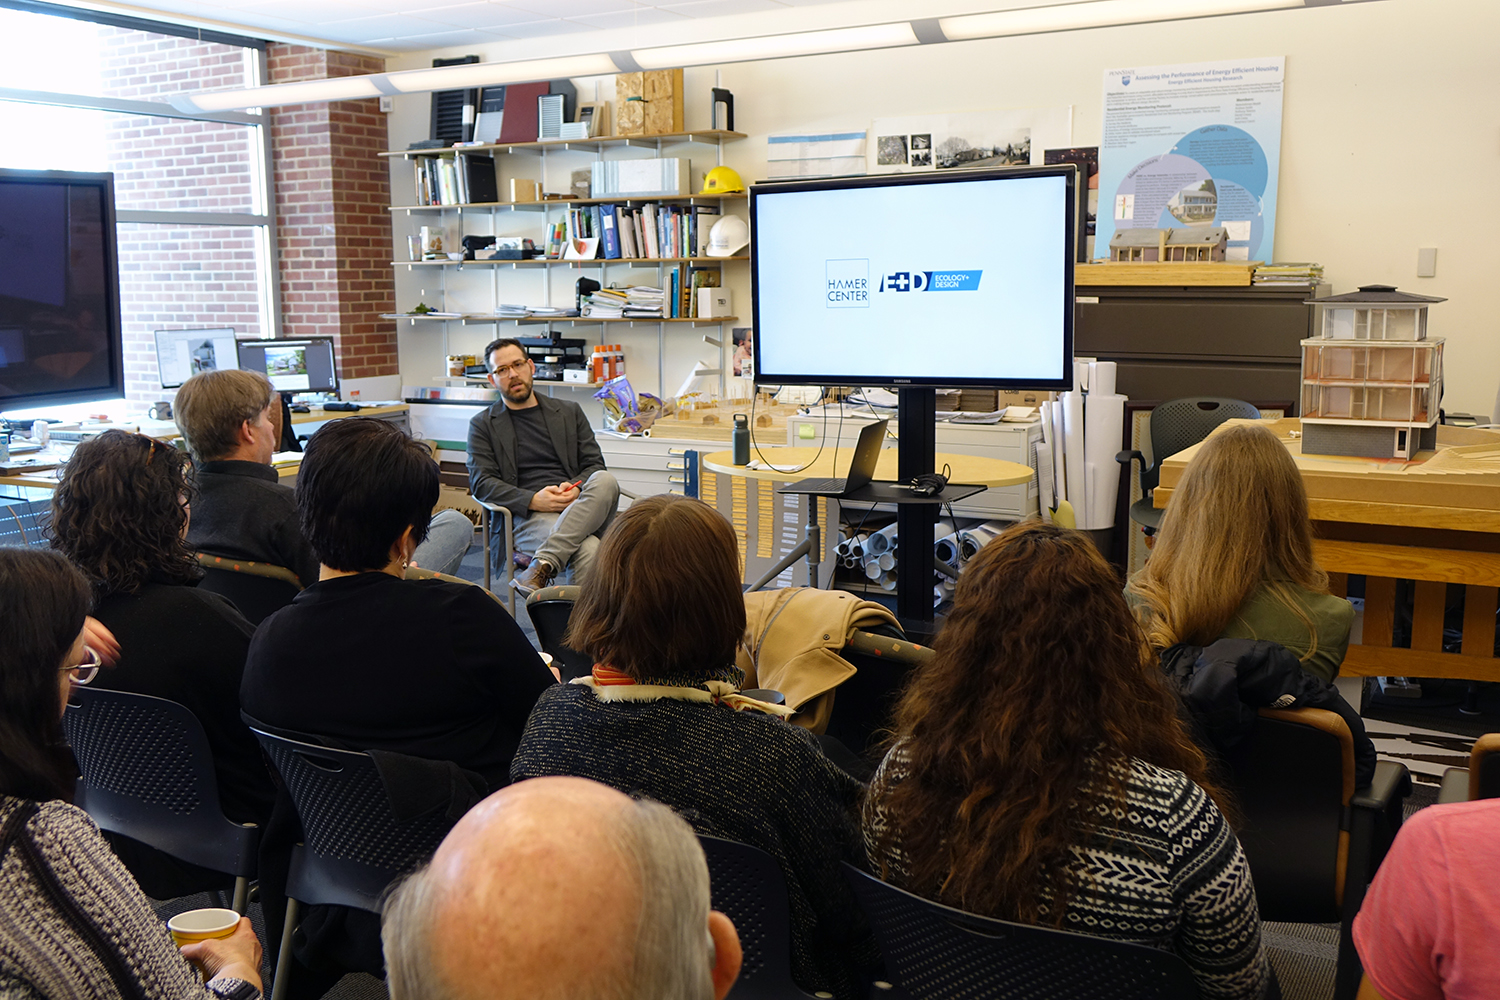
(1039, 772)
(1233, 558)
(119, 514)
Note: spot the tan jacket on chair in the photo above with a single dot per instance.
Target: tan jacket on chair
(792, 643)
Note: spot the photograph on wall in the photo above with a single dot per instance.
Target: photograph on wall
(890, 150)
(967, 140)
(744, 352)
(1194, 145)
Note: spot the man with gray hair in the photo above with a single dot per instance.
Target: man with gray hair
(561, 889)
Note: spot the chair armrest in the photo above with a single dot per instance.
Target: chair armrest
(1455, 786)
(1391, 779)
(629, 495)
(1125, 457)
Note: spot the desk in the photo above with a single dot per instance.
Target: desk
(166, 430)
(965, 468)
(1435, 521)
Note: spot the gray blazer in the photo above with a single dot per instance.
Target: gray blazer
(492, 451)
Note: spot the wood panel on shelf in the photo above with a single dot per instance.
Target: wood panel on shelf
(593, 144)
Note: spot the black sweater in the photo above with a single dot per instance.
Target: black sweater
(426, 668)
(189, 646)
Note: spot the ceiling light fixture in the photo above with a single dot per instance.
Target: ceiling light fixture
(1021, 21)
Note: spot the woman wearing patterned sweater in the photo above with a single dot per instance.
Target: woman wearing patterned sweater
(73, 923)
(1039, 662)
(661, 613)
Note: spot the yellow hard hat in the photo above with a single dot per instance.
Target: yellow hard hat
(722, 180)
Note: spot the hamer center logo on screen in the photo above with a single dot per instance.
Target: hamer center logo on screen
(848, 284)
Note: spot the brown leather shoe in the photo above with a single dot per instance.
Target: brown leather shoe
(538, 575)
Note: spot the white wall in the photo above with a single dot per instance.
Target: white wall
(1390, 139)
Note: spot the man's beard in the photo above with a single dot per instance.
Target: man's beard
(519, 394)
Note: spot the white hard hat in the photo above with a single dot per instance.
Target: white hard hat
(728, 236)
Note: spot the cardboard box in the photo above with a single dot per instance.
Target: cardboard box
(1025, 397)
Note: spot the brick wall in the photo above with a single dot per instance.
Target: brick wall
(176, 277)
(333, 219)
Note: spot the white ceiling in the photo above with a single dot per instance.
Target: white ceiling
(415, 25)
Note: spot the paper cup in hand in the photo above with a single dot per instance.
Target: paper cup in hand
(202, 925)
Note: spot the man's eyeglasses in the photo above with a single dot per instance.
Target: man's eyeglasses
(518, 367)
(82, 673)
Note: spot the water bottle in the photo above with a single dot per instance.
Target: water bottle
(741, 439)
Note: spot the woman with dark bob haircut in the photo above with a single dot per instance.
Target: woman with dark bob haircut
(120, 514)
(75, 922)
(367, 660)
(1040, 773)
(661, 614)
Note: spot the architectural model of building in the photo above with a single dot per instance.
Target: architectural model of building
(1371, 379)
(1141, 246)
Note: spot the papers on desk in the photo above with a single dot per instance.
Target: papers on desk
(756, 463)
(284, 458)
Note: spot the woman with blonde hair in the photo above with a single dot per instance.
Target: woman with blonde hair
(1233, 558)
(1040, 772)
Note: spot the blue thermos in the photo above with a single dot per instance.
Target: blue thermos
(741, 439)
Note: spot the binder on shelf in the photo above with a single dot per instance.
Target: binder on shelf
(609, 225)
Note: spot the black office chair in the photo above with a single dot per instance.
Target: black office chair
(148, 774)
(24, 523)
(748, 887)
(1175, 425)
(353, 844)
(257, 589)
(1312, 839)
(934, 952)
(549, 608)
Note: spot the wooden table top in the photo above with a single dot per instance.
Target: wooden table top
(809, 464)
(1455, 488)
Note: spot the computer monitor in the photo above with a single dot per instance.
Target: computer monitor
(181, 354)
(303, 364)
(957, 277)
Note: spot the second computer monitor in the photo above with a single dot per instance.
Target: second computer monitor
(181, 354)
(303, 364)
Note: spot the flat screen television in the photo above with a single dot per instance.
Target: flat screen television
(59, 289)
(302, 364)
(181, 354)
(959, 277)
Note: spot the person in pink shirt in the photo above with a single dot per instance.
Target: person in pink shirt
(1429, 925)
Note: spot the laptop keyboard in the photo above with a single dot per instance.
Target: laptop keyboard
(822, 485)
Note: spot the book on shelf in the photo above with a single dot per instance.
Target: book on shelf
(625, 218)
(702, 277)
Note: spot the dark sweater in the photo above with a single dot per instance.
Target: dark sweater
(242, 509)
(189, 646)
(742, 776)
(369, 662)
(420, 667)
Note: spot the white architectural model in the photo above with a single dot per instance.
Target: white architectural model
(1372, 379)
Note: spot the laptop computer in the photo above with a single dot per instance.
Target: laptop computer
(861, 469)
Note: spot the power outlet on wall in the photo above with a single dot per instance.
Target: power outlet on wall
(387, 103)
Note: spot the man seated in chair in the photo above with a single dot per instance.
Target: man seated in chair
(537, 456)
(231, 423)
(561, 887)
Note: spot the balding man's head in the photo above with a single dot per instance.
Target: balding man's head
(560, 887)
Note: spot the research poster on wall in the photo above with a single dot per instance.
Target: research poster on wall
(1197, 144)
